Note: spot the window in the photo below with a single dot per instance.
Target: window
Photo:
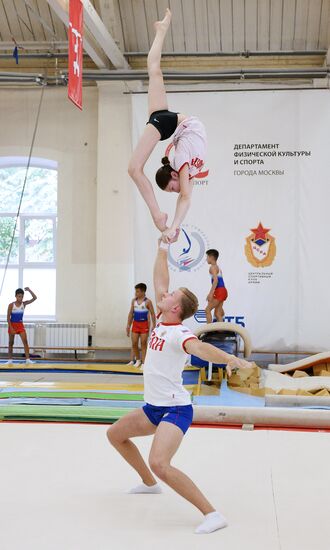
(32, 259)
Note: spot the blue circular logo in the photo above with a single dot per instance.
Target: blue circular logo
(188, 252)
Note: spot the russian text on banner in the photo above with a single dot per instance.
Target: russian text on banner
(75, 52)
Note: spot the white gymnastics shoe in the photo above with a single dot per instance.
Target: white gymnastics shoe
(212, 522)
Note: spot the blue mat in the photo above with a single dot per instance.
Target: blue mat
(190, 377)
(230, 398)
(113, 404)
(70, 402)
(39, 401)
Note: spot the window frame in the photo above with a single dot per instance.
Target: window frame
(35, 162)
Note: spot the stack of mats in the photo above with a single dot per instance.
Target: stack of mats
(51, 401)
(81, 367)
(190, 374)
(72, 405)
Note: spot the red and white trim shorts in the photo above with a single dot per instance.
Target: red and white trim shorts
(18, 328)
(220, 294)
(140, 327)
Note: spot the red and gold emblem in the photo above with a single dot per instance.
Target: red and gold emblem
(260, 247)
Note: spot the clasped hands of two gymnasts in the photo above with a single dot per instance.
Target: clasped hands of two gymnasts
(169, 235)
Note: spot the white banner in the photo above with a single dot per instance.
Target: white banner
(262, 201)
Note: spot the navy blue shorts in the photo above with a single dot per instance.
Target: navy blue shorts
(165, 122)
(180, 416)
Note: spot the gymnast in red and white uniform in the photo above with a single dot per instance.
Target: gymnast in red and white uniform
(218, 293)
(138, 324)
(15, 314)
(189, 139)
(168, 412)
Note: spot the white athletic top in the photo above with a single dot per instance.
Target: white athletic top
(189, 140)
(17, 313)
(140, 311)
(163, 366)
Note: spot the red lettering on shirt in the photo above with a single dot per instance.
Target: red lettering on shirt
(198, 163)
(156, 343)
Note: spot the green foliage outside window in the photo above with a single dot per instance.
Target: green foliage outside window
(6, 232)
(40, 194)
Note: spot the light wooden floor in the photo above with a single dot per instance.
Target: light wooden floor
(62, 486)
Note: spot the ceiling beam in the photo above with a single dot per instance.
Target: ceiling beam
(61, 8)
(98, 42)
(102, 35)
(110, 15)
(106, 10)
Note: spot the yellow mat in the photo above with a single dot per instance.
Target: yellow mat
(71, 386)
(106, 367)
(111, 368)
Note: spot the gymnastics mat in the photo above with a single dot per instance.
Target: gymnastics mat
(44, 413)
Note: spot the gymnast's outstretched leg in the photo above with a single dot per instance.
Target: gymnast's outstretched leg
(156, 101)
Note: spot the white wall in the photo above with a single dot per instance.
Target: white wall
(114, 269)
(69, 137)
(95, 244)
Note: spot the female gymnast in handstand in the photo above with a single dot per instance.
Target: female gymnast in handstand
(189, 139)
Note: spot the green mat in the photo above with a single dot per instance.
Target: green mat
(73, 394)
(59, 413)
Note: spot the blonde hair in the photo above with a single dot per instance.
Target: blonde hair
(189, 303)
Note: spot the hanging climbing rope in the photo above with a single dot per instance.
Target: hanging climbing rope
(23, 188)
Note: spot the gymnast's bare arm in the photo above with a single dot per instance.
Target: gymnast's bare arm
(215, 355)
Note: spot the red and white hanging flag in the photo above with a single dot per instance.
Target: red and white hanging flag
(75, 51)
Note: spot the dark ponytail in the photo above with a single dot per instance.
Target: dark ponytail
(164, 173)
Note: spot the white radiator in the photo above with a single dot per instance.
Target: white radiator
(29, 327)
(66, 335)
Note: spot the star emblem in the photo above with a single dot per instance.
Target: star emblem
(260, 233)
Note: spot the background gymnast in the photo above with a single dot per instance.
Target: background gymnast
(141, 318)
(218, 293)
(189, 139)
(15, 314)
